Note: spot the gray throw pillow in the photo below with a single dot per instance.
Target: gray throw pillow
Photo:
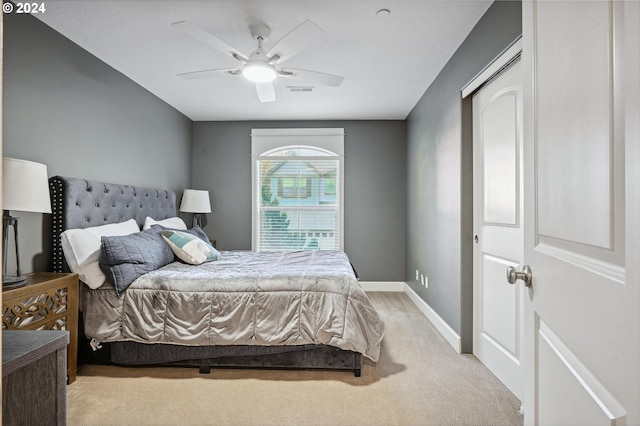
(125, 258)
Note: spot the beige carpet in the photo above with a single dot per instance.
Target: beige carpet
(419, 380)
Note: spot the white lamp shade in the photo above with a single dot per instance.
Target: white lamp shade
(25, 186)
(195, 201)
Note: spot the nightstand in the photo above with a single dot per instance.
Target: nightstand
(49, 301)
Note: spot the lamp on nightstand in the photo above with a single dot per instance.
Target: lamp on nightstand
(197, 202)
(24, 188)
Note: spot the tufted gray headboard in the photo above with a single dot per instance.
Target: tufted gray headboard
(80, 203)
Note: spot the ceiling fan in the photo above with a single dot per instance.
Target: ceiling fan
(263, 67)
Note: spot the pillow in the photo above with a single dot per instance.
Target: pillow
(172, 222)
(196, 230)
(125, 258)
(81, 248)
(189, 248)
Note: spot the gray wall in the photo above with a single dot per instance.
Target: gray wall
(67, 109)
(407, 183)
(375, 197)
(439, 174)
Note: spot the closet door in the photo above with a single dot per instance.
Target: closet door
(498, 307)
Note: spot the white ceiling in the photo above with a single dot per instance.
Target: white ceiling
(388, 61)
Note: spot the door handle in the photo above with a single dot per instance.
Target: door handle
(525, 275)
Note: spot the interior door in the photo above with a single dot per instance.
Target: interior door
(497, 200)
(582, 216)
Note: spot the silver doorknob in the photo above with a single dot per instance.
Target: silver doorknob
(525, 275)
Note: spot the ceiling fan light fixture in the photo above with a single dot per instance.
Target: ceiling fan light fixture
(259, 72)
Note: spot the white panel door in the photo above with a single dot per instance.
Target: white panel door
(497, 200)
(581, 212)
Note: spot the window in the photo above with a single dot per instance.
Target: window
(297, 185)
(329, 186)
(293, 187)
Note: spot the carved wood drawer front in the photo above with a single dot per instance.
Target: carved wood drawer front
(49, 301)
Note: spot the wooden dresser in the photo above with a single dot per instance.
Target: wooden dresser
(49, 301)
(34, 377)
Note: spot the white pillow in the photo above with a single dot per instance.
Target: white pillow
(81, 249)
(172, 222)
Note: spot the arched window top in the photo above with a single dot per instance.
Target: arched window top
(323, 142)
(299, 151)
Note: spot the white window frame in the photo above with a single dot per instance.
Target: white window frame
(267, 140)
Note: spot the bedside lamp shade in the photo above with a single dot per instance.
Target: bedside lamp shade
(195, 201)
(25, 187)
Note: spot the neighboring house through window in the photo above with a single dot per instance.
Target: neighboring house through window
(297, 189)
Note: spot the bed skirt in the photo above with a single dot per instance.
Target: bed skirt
(205, 357)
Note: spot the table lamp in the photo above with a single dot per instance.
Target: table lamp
(195, 201)
(25, 187)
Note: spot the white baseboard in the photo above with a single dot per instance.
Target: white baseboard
(443, 328)
(447, 332)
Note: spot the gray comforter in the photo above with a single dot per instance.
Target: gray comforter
(244, 298)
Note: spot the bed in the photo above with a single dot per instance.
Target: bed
(246, 309)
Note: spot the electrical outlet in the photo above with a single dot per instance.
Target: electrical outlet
(422, 279)
(417, 275)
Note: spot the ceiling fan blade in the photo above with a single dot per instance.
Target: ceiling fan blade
(207, 38)
(314, 77)
(266, 92)
(196, 75)
(296, 40)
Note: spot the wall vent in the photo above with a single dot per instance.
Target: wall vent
(298, 89)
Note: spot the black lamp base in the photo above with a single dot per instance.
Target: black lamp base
(9, 282)
(13, 282)
(197, 220)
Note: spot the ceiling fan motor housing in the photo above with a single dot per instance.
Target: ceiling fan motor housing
(259, 31)
(258, 68)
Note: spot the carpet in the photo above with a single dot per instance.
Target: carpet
(419, 380)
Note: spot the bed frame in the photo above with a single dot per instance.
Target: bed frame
(79, 203)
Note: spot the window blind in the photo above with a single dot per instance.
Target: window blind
(297, 194)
